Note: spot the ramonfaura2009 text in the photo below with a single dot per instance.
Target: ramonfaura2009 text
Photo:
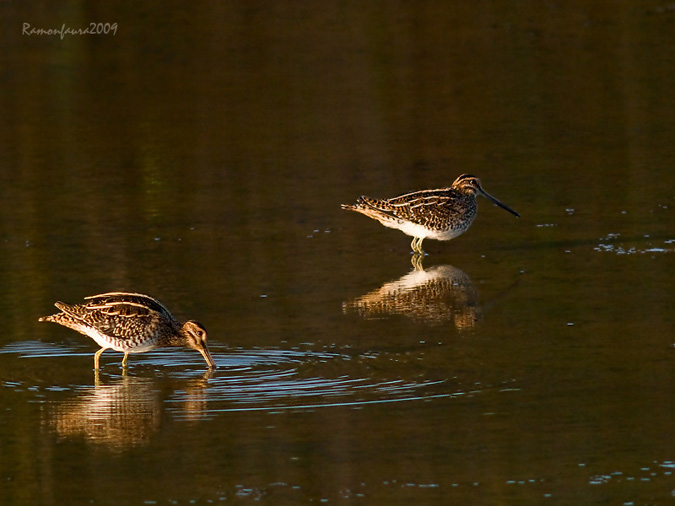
(92, 29)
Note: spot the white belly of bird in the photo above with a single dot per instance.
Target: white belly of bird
(105, 342)
(414, 230)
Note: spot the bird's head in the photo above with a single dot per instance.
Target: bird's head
(196, 338)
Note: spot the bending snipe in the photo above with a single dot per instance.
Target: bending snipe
(441, 214)
(130, 323)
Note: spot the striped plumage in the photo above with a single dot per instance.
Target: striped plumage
(130, 323)
(441, 214)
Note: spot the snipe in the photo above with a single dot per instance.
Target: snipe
(130, 323)
(441, 214)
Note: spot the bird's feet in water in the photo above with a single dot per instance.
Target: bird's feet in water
(416, 261)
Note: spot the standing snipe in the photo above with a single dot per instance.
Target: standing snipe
(437, 214)
(130, 323)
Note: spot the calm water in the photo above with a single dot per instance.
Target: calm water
(201, 155)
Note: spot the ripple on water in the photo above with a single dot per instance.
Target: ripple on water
(35, 349)
(276, 380)
(265, 379)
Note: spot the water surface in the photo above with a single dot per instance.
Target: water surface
(201, 155)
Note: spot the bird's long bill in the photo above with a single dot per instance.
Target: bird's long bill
(207, 356)
(503, 206)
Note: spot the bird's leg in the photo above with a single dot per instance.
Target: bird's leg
(419, 246)
(97, 356)
(416, 245)
(124, 360)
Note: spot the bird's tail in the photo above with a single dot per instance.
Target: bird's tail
(362, 203)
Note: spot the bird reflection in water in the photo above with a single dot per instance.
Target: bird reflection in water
(124, 413)
(440, 294)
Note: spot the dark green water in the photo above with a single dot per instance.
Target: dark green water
(201, 155)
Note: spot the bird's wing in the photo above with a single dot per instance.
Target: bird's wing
(428, 207)
(127, 304)
(116, 315)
